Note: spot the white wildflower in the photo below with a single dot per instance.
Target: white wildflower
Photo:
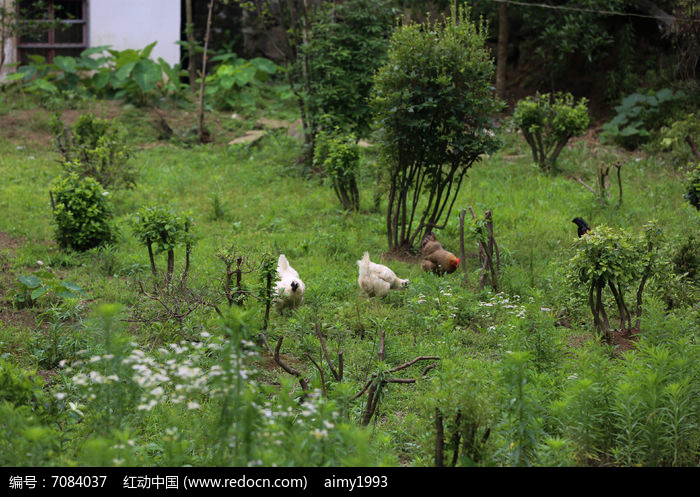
(157, 392)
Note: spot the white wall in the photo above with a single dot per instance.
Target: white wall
(134, 24)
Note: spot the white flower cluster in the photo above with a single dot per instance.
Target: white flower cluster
(172, 374)
(501, 300)
(310, 418)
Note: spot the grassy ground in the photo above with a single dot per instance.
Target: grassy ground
(255, 199)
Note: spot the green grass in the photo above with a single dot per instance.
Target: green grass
(265, 205)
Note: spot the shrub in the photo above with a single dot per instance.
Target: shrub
(672, 140)
(82, 213)
(693, 185)
(32, 287)
(96, 148)
(25, 441)
(232, 75)
(339, 155)
(616, 259)
(638, 115)
(19, 387)
(656, 404)
(435, 104)
(548, 124)
(686, 258)
(521, 424)
(129, 74)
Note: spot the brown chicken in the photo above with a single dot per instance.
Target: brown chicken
(435, 258)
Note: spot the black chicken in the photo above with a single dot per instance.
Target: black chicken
(583, 227)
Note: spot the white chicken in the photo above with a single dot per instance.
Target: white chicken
(376, 280)
(289, 290)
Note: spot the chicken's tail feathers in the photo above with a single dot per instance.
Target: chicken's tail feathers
(282, 263)
(428, 237)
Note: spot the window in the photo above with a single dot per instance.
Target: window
(52, 27)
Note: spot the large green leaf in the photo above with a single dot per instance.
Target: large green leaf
(93, 50)
(29, 281)
(146, 74)
(100, 80)
(66, 64)
(265, 65)
(39, 292)
(67, 295)
(146, 52)
(127, 57)
(119, 76)
(72, 287)
(43, 85)
(15, 76)
(244, 75)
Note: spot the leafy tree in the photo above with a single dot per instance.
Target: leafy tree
(166, 230)
(330, 50)
(435, 105)
(616, 259)
(347, 44)
(549, 124)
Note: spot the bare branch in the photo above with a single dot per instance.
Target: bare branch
(380, 353)
(317, 327)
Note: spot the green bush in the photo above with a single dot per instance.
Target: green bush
(19, 387)
(639, 116)
(82, 214)
(656, 406)
(693, 185)
(671, 140)
(435, 107)
(521, 424)
(548, 124)
(25, 441)
(686, 258)
(233, 74)
(129, 74)
(347, 43)
(164, 229)
(339, 156)
(613, 258)
(96, 148)
(32, 287)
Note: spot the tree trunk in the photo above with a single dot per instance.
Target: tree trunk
(462, 256)
(171, 265)
(189, 31)
(153, 262)
(203, 75)
(502, 51)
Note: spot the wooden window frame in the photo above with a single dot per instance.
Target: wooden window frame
(51, 45)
